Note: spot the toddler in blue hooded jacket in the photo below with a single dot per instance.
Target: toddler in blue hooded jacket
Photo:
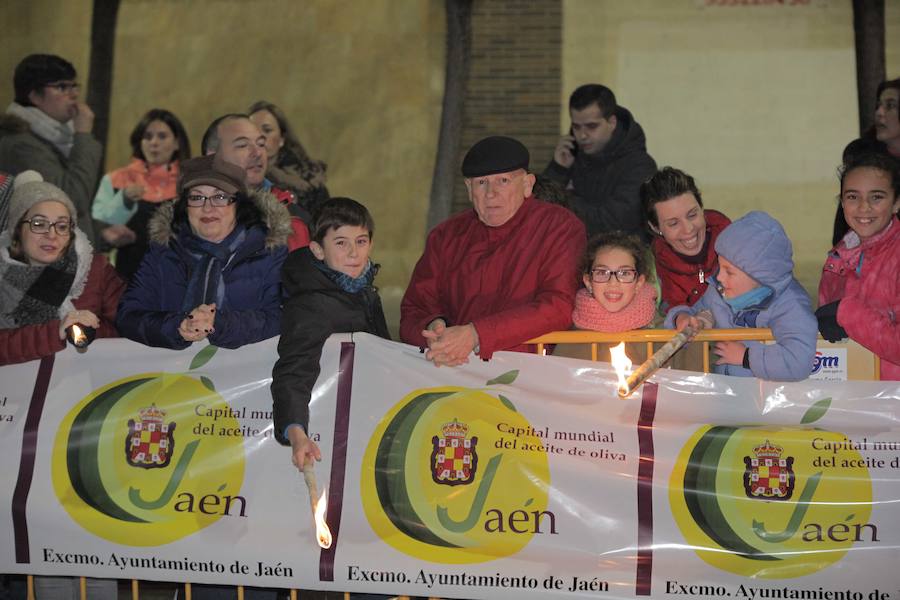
(755, 287)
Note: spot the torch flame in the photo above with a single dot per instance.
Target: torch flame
(322, 530)
(622, 364)
(77, 334)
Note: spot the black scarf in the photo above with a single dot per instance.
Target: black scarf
(33, 294)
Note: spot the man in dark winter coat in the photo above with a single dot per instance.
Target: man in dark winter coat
(604, 161)
(47, 129)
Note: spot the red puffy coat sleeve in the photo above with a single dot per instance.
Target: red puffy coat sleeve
(100, 296)
(421, 303)
(550, 308)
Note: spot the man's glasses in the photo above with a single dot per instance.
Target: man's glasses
(64, 87)
(42, 226)
(219, 200)
(622, 275)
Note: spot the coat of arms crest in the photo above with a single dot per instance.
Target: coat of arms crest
(453, 458)
(767, 475)
(150, 440)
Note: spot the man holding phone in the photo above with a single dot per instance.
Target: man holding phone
(603, 160)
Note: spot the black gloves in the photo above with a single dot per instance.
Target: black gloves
(828, 325)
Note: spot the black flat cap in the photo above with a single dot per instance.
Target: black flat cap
(495, 154)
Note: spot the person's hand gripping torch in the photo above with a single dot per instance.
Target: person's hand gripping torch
(659, 358)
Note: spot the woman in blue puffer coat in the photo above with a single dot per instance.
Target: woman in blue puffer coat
(214, 266)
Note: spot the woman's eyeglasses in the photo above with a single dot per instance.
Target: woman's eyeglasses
(219, 200)
(42, 226)
(622, 275)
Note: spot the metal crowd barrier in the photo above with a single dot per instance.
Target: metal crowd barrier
(863, 365)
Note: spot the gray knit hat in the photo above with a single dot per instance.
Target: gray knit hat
(29, 188)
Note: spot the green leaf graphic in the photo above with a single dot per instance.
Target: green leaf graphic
(529, 501)
(507, 403)
(507, 377)
(816, 411)
(221, 487)
(203, 357)
(206, 381)
(850, 518)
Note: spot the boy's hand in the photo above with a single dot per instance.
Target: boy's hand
(303, 449)
(687, 320)
(730, 353)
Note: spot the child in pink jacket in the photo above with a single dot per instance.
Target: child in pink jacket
(859, 293)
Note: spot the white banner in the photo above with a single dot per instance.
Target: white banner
(525, 476)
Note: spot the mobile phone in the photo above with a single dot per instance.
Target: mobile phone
(575, 144)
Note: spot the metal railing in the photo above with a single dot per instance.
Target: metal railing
(135, 590)
(650, 337)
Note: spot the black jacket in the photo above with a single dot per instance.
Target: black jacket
(315, 307)
(607, 185)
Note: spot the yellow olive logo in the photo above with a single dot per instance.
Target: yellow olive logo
(771, 503)
(136, 462)
(438, 483)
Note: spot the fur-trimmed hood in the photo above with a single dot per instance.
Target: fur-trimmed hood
(273, 214)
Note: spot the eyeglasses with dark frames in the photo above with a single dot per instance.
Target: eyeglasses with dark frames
(64, 87)
(601, 275)
(42, 226)
(219, 200)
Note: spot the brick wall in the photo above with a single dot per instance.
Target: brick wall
(515, 77)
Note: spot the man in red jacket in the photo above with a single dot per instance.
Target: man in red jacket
(496, 276)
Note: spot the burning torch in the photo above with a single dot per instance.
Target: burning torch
(319, 504)
(80, 336)
(622, 363)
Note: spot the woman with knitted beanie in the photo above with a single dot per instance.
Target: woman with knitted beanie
(52, 278)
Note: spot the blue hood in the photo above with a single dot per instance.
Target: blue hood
(757, 244)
